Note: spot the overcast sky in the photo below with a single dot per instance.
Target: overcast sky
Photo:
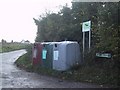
(16, 17)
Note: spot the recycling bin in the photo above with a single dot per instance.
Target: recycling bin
(47, 53)
(65, 55)
(36, 54)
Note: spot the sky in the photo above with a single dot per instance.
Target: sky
(16, 17)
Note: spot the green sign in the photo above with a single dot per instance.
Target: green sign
(44, 54)
(86, 26)
(104, 55)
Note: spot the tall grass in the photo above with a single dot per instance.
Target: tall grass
(6, 47)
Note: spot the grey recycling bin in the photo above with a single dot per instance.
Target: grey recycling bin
(65, 55)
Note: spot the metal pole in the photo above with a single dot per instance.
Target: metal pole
(83, 44)
(89, 39)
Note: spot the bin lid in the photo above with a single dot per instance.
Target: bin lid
(62, 42)
(46, 42)
(68, 42)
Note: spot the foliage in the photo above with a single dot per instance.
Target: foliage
(67, 25)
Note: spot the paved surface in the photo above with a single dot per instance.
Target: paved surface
(13, 77)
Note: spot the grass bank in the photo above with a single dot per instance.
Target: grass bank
(6, 47)
(97, 74)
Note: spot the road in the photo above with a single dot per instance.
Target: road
(13, 77)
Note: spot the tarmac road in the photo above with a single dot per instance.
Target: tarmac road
(13, 77)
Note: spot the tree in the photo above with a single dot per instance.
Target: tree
(67, 24)
(108, 27)
(3, 41)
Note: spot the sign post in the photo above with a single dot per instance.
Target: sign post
(89, 39)
(85, 28)
(83, 43)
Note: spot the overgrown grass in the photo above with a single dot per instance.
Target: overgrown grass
(97, 73)
(25, 61)
(6, 47)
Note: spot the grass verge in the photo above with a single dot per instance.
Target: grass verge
(7, 47)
